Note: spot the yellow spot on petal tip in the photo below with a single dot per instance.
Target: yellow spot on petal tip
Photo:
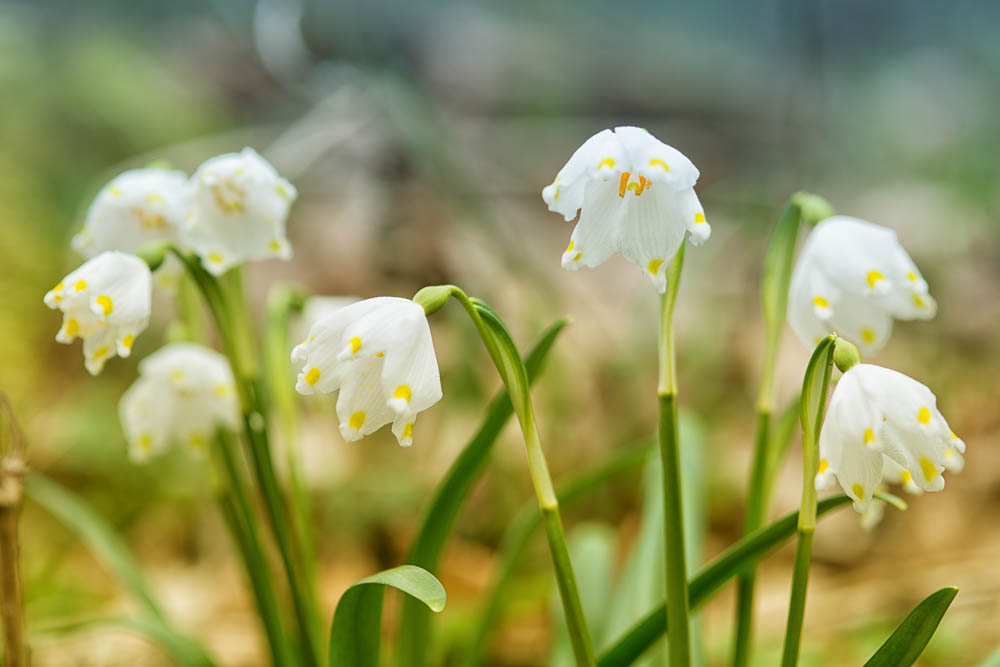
(80, 285)
(606, 162)
(659, 163)
(355, 344)
(572, 244)
(912, 276)
(312, 377)
(72, 327)
(104, 301)
(380, 354)
(274, 245)
(868, 336)
(858, 490)
(576, 258)
(869, 436)
(407, 431)
(699, 218)
(127, 341)
(823, 465)
(873, 277)
(215, 258)
(403, 391)
(928, 469)
(918, 302)
(654, 266)
(905, 477)
(100, 353)
(821, 302)
(357, 420)
(145, 441)
(924, 416)
(58, 288)
(221, 390)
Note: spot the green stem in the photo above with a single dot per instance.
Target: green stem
(797, 604)
(512, 372)
(236, 508)
(281, 304)
(675, 563)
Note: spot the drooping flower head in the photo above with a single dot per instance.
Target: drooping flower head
(379, 354)
(183, 394)
(106, 302)
(884, 426)
(852, 278)
(136, 207)
(239, 205)
(635, 195)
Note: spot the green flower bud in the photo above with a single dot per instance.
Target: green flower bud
(813, 208)
(845, 355)
(153, 253)
(433, 297)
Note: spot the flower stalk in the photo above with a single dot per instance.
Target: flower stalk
(503, 351)
(802, 207)
(814, 390)
(675, 561)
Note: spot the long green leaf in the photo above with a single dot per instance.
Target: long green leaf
(356, 636)
(97, 534)
(414, 625)
(752, 547)
(907, 642)
(182, 650)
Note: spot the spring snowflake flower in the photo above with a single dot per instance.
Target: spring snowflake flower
(239, 205)
(379, 354)
(106, 302)
(852, 279)
(635, 195)
(183, 394)
(884, 426)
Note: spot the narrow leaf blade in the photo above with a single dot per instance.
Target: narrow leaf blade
(907, 641)
(355, 638)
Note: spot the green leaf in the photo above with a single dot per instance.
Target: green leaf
(778, 263)
(356, 636)
(907, 642)
(182, 650)
(779, 439)
(731, 562)
(815, 386)
(97, 534)
(414, 625)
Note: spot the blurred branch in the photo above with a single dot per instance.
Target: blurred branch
(12, 469)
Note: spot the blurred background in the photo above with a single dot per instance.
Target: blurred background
(420, 136)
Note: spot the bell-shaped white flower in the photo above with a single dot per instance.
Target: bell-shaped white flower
(239, 205)
(852, 278)
(884, 426)
(184, 393)
(106, 302)
(635, 195)
(379, 354)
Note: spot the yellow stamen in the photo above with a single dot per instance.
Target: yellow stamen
(104, 301)
(355, 344)
(623, 184)
(312, 377)
(928, 468)
(924, 416)
(873, 277)
(403, 392)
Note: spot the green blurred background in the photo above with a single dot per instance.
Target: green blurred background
(419, 136)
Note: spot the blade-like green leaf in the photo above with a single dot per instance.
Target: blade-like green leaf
(907, 642)
(752, 547)
(97, 534)
(182, 650)
(356, 636)
(414, 625)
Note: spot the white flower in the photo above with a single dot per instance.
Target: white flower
(239, 205)
(883, 425)
(315, 309)
(137, 207)
(183, 394)
(379, 353)
(635, 195)
(105, 302)
(851, 279)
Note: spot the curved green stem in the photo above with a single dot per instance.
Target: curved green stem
(675, 561)
(507, 359)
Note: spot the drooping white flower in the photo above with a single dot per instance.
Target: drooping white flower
(635, 195)
(184, 392)
(379, 354)
(106, 302)
(239, 205)
(884, 426)
(852, 278)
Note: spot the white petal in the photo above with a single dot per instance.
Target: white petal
(600, 157)
(655, 160)
(596, 235)
(652, 231)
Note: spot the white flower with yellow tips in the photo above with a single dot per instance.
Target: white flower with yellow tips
(852, 278)
(106, 302)
(635, 195)
(184, 393)
(379, 354)
(239, 205)
(883, 426)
